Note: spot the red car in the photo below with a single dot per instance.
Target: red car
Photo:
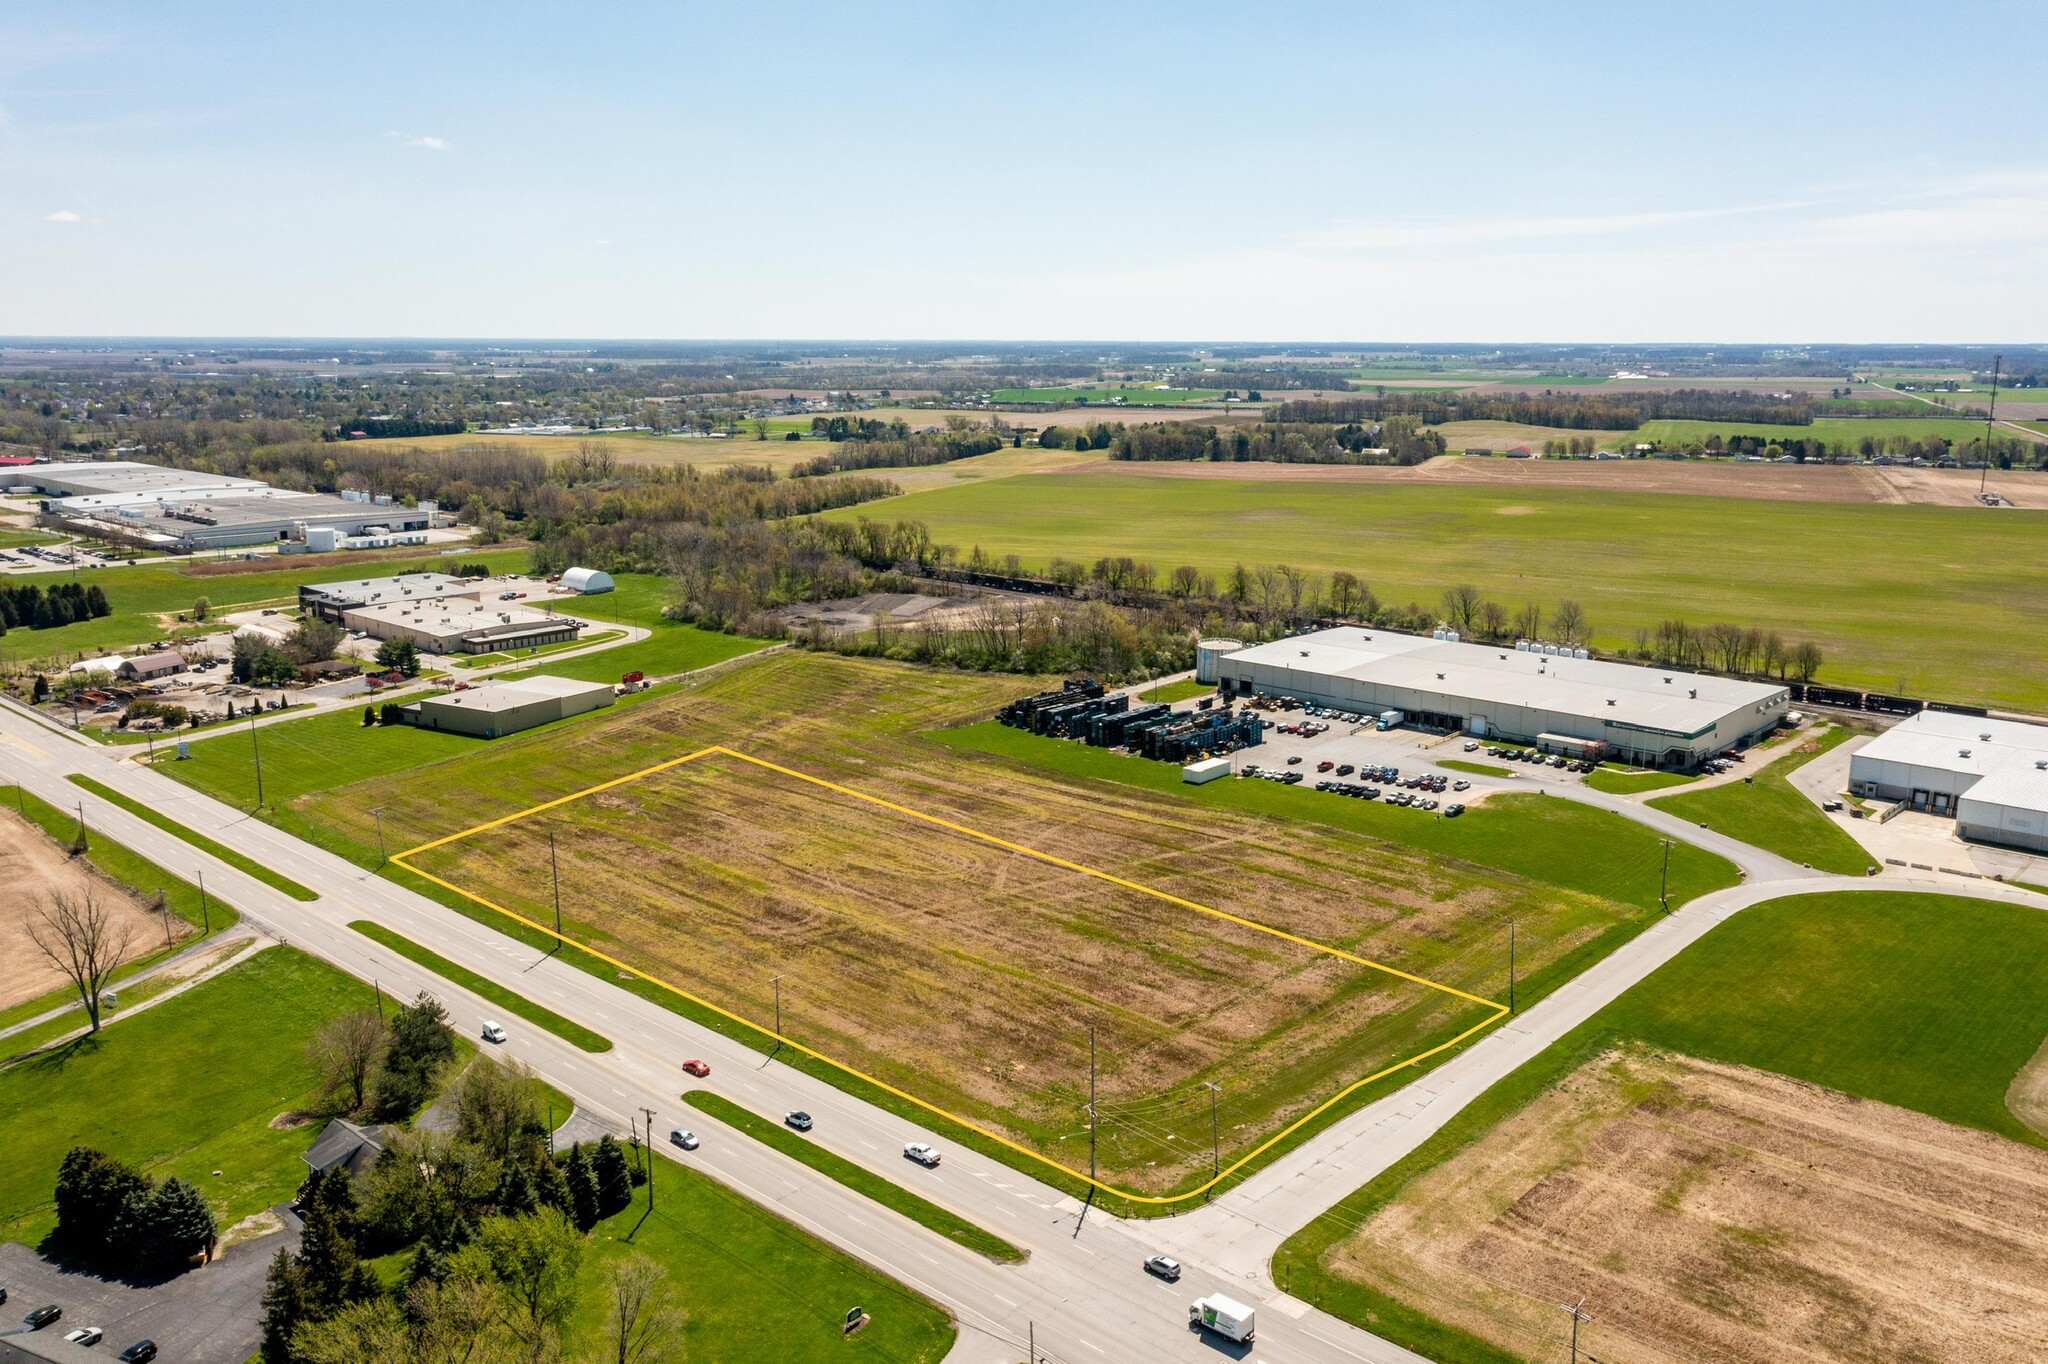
(697, 1068)
(1325, 765)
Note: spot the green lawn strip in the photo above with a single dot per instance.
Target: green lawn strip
(330, 749)
(492, 660)
(756, 1288)
(246, 865)
(1927, 1002)
(1629, 783)
(862, 1181)
(186, 1087)
(1769, 812)
(1178, 691)
(1483, 769)
(574, 1033)
(1563, 842)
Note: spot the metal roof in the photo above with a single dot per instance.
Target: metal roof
(498, 696)
(1662, 699)
(2006, 755)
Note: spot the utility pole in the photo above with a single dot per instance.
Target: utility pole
(163, 903)
(1511, 965)
(1664, 878)
(382, 856)
(555, 873)
(777, 983)
(205, 918)
(1091, 1105)
(1579, 1314)
(650, 1157)
(1996, 362)
(257, 749)
(1215, 1137)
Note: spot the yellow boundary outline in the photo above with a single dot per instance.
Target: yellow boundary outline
(1500, 1010)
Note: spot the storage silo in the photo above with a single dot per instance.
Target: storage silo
(1207, 652)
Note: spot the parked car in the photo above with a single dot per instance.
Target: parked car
(141, 1352)
(1472, 746)
(85, 1335)
(1461, 786)
(1345, 769)
(700, 1069)
(1453, 810)
(924, 1155)
(683, 1137)
(1164, 1267)
(42, 1316)
(1294, 759)
(798, 1119)
(493, 1032)
(1325, 765)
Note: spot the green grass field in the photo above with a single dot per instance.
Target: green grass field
(755, 1288)
(1135, 397)
(889, 1194)
(1883, 620)
(21, 539)
(1768, 812)
(139, 593)
(1630, 783)
(674, 647)
(571, 1032)
(1848, 430)
(1479, 769)
(1178, 691)
(1928, 1002)
(186, 1087)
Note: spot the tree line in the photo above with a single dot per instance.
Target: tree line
(1396, 440)
(25, 605)
(908, 450)
(1601, 412)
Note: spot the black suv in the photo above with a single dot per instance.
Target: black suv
(42, 1316)
(141, 1352)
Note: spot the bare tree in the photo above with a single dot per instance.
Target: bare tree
(1461, 607)
(345, 1053)
(1805, 660)
(1344, 589)
(642, 1325)
(1528, 621)
(83, 939)
(1493, 620)
(1569, 621)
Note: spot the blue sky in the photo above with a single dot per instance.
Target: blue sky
(1816, 172)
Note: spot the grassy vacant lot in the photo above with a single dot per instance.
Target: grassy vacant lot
(1847, 430)
(186, 1087)
(141, 595)
(673, 648)
(1925, 1002)
(1768, 812)
(859, 1178)
(1630, 783)
(756, 1289)
(1857, 579)
(891, 934)
(1179, 691)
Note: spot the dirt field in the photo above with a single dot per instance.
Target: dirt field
(1771, 482)
(31, 867)
(1717, 1213)
(971, 974)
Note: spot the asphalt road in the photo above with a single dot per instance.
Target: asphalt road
(1082, 1292)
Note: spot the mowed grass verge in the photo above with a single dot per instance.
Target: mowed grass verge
(1631, 559)
(569, 1031)
(185, 1087)
(868, 1184)
(754, 1288)
(1768, 812)
(1633, 783)
(247, 865)
(1927, 1002)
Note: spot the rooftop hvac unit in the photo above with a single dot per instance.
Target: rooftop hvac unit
(1579, 653)
(1521, 646)
(1451, 636)
(1437, 633)
(383, 499)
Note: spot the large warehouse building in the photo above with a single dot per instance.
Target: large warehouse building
(1552, 698)
(500, 708)
(455, 625)
(1992, 775)
(331, 601)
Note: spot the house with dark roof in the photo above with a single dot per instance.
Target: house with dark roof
(343, 1143)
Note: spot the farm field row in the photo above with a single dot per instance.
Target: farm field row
(887, 930)
(1855, 579)
(1805, 1097)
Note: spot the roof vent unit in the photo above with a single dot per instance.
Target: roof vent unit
(1963, 753)
(1985, 737)
(1439, 677)
(1451, 636)
(1521, 646)
(1304, 653)
(1693, 692)
(1610, 700)
(2041, 766)
(1579, 653)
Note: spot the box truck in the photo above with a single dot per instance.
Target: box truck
(1389, 718)
(1225, 1316)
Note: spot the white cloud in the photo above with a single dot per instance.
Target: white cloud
(63, 215)
(423, 141)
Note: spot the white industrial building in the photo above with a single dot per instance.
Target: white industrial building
(496, 709)
(459, 625)
(331, 601)
(1992, 775)
(1555, 698)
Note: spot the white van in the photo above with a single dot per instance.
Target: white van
(493, 1032)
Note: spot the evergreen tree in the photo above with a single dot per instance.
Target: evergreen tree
(583, 1204)
(286, 1306)
(551, 1185)
(175, 1224)
(96, 602)
(327, 1247)
(94, 1194)
(614, 1179)
(421, 1043)
(515, 1194)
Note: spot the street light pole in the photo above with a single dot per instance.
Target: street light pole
(650, 1157)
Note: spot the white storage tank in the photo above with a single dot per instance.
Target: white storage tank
(1207, 653)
